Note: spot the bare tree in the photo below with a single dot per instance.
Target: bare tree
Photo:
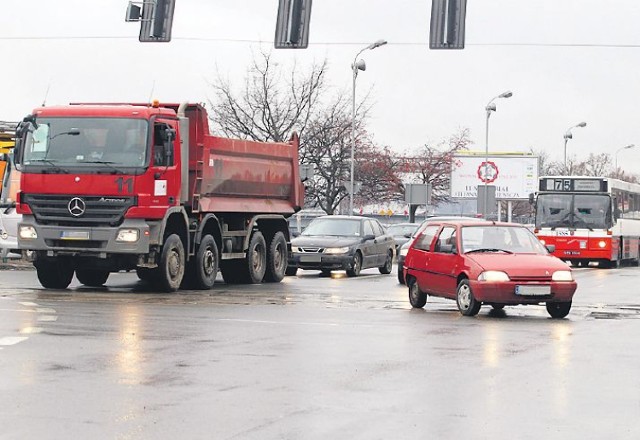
(597, 164)
(328, 149)
(378, 170)
(271, 105)
(433, 164)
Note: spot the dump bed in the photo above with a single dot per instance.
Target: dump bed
(232, 175)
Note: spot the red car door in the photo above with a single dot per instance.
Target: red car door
(418, 257)
(443, 262)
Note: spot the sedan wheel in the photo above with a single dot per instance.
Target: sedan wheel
(400, 275)
(417, 297)
(467, 304)
(558, 310)
(388, 264)
(356, 266)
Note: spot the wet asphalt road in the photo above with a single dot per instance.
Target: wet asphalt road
(314, 358)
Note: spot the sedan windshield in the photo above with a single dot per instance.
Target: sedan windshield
(493, 238)
(401, 230)
(333, 226)
(573, 211)
(112, 143)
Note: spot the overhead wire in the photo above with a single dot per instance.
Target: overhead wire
(325, 43)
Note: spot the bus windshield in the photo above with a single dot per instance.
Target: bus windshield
(588, 211)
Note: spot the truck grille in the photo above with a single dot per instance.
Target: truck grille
(71, 210)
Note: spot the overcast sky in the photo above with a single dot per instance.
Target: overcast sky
(566, 61)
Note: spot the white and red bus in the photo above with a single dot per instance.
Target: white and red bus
(589, 219)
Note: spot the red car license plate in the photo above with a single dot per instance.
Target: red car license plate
(533, 290)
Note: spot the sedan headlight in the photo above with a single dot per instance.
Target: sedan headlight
(27, 232)
(404, 251)
(340, 250)
(493, 275)
(128, 235)
(562, 275)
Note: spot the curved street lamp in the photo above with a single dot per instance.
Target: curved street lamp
(568, 136)
(619, 150)
(357, 65)
(490, 107)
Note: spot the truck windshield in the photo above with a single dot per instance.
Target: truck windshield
(574, 211)
(110, 143)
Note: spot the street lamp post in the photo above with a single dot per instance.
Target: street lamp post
(357, 65)
(491, 107)
(619, 150)
(568, 136)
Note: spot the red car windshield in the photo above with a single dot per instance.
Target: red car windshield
(513, 239)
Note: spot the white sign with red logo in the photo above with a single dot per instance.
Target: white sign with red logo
(515, 177)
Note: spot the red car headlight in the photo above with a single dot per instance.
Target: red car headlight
(493, 276)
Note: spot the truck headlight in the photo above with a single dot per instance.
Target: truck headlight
(128, 235)
(404, 251)
(493, 275)
(27, 232)
(562, 275)
(340, 250)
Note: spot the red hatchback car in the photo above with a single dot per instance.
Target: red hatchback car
(493, 263)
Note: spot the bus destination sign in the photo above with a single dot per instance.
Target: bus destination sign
(571, 184)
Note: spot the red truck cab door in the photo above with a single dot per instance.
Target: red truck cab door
(165, 163)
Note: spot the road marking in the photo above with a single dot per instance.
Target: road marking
(44, 314)
(12, 340)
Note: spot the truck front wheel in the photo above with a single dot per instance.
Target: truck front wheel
(92, 277)
(171, 267)
(54, 274)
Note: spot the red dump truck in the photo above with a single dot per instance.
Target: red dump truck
(110, 187)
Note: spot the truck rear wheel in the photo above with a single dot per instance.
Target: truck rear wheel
(92, 277)
(251, 269)
(54, 274)
(203, 269)
(170, 270)
(145, 274)
(233, 271)
(256, 258)
(277, 257)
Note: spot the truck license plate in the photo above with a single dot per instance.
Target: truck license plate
(74, 235)
(533, 290)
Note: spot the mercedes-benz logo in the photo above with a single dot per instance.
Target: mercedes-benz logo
(76, 206)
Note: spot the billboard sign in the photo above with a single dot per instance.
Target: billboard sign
(514, 176)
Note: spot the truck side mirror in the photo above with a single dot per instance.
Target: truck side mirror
(532, 198)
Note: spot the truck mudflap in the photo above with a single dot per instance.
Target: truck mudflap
(131, 237)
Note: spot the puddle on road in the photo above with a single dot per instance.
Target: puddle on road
(625, 314)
